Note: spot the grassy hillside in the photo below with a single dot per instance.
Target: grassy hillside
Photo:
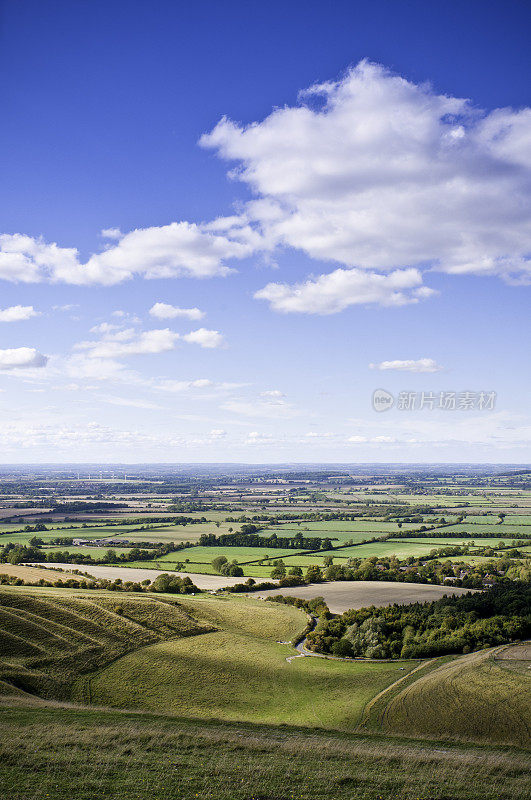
(141, 652)
(240, 672)
(47, 640)
(481, 696)
(225, 659)
(72, 754)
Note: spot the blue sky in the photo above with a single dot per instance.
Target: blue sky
(203, 258)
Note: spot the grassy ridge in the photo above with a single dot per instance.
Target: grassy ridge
(477, 696)
(48, 640)
(140, 652)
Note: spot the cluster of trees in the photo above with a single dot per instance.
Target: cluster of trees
(420, 630)
(253, 539)
(62, 541)
(418, 570)
(173, 584)
(189, 505)
(294, 576)
(250, 585)
(40, 526)
(316, 606)
(228, 568)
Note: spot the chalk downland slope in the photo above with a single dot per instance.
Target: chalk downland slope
(240, 672)
(483, 696)
(48, 640)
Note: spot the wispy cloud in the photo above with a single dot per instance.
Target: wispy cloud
(410, 365)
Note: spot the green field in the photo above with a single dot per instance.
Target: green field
(204, 555)
(378, 549)
(171, 563)
(341, 525)
(93, 552)
(200, 558)
(488, 498)
(478, 542)
(78, 532)
(181, 533)
(512, 531)
(492, 519)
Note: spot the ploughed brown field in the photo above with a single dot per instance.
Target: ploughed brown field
(340, 596)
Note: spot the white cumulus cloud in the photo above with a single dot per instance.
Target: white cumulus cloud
(17, 313)
(181, 249)
(328, 294)
(167, 311)
(376, 172)
(205, 338)
(21, 358)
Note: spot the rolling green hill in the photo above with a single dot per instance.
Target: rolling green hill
(216, 711)
(48, 639)
(240, 672)
(483, 696)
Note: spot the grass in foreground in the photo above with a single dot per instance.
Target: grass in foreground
(69, 754)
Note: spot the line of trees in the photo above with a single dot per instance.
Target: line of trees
(448, 533)
(20, 554)
(169, 584)
(251, 539)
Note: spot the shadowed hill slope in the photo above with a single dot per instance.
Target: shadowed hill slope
(483, 696)
(48, 640)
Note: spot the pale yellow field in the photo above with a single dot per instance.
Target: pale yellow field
(31, 573)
